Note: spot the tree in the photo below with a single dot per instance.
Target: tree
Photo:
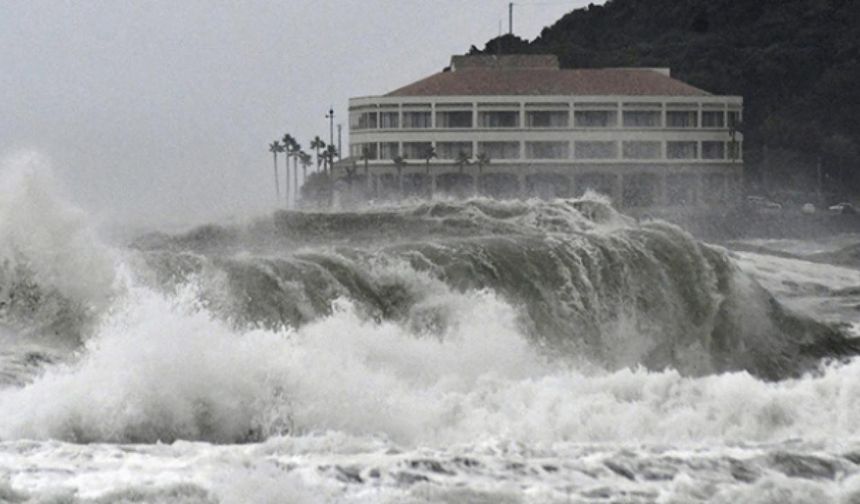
(295, 150)
(399, 165)
(329, 156)
(276, 147)
(481, 160)
(463, 160)
(306, 160)
(317, 144)
(288, 142)
(429, 154)
(365, 156)
(350, 175)
(734, 129)
(316, 190)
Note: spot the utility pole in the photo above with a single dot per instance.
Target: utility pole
(339, 127)
(511, 18)
(330, 158)
(330, 117)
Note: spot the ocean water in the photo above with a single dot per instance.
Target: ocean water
(456, 352)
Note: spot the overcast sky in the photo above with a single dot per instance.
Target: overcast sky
(154, 110)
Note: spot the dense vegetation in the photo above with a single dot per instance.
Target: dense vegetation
(795, 62)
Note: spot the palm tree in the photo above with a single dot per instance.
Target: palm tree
(350, 175)
(276, 147)
(288, 142)
(295, 149)
(317, 144)
(399, 164)
(429, 154)
(365, 156)
(306, 160)
(463, 160)
(329, 154)
(481, 160)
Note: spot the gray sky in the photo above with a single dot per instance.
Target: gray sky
(154, 110)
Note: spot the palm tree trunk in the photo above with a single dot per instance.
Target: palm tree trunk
(296, 178)
(428, 181)
(287, 181)
(277, 182)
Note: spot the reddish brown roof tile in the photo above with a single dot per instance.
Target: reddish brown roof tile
(505, 60)
(478, 81)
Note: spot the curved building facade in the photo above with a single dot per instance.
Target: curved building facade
(519, 126)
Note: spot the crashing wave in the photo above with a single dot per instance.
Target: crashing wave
(421, 322)
(55, 277)
(587, 282)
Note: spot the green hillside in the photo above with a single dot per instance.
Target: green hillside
(795, 62)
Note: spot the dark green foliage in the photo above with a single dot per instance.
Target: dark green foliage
(316, 191)
(795, 62)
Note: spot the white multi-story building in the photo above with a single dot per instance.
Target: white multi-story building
(519, 126)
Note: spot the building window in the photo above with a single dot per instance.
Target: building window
(641, 119)
(734, 118)
(389, 120)
(452, 150)
(389, 150)
(682, 150)
(713, 119)
(713, 150)
(499, 119)
(367, 120)
(547, 119)
(500, 150)
(682, 119)
(735, 150)
(417, 120)
(547, 150)
(358, 150)
(595, 150)
(641, 150)
(459, 119)
(371, 150)
(416, 150)
(595, 118)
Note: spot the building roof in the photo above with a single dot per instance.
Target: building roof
(505, 61)
(540, 75)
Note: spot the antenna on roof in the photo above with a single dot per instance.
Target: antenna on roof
(511, 18)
